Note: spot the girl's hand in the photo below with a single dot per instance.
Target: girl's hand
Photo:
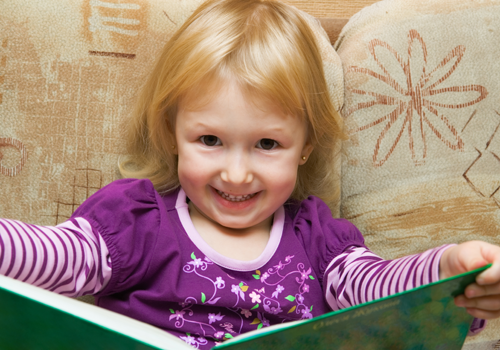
(481, 299)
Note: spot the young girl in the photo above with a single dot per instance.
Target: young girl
(233, 133)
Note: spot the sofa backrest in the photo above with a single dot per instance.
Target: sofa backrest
(422, 106)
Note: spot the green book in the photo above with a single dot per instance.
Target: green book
(422, 318)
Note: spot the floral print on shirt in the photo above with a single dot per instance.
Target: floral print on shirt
(277, 295)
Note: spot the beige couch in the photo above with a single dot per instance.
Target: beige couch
(422, 88)
(417, 84)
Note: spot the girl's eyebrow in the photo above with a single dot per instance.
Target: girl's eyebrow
(200, 126)
(278, 129)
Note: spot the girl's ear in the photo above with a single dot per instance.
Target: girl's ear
(174, 150)
(306, 151)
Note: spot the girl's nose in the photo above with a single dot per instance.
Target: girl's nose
(237, 170)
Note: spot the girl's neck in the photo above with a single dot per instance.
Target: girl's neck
(243, 244)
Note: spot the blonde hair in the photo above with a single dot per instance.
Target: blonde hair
(271, 51)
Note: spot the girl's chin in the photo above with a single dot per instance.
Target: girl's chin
(236, 223)
(236, 227)
(244, 222)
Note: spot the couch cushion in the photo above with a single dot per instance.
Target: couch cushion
(422, 166)
(68, 73)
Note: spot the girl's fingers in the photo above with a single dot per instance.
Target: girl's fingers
(481, 299)
(491, 275)
(475, 290)
(490, 253)
(483, 314)
(486, 307)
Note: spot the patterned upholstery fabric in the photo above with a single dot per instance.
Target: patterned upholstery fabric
(422, 166)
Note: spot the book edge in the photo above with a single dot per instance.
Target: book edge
(109, 320)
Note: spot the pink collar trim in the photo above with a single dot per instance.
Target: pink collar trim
(274, 239)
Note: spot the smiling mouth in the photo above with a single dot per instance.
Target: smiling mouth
(232, 198)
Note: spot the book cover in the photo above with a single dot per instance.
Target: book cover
(422, 318)
(32, 318)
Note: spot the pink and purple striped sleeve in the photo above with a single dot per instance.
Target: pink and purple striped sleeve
(358, 275)
(70, 259)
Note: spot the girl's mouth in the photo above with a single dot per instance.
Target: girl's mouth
(232, 198)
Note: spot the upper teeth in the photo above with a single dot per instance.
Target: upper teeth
(232, 198)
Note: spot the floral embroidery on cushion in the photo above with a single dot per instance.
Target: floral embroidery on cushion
(416, 107)
(11, 142)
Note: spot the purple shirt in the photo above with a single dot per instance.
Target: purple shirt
(164, 274)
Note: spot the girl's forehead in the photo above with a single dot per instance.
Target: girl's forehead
(227, 90)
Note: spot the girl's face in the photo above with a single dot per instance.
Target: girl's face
(238, 157)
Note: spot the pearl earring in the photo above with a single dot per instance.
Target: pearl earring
(303, 157)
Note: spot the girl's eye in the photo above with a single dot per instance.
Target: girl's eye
(267, 144)
(210, 140)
